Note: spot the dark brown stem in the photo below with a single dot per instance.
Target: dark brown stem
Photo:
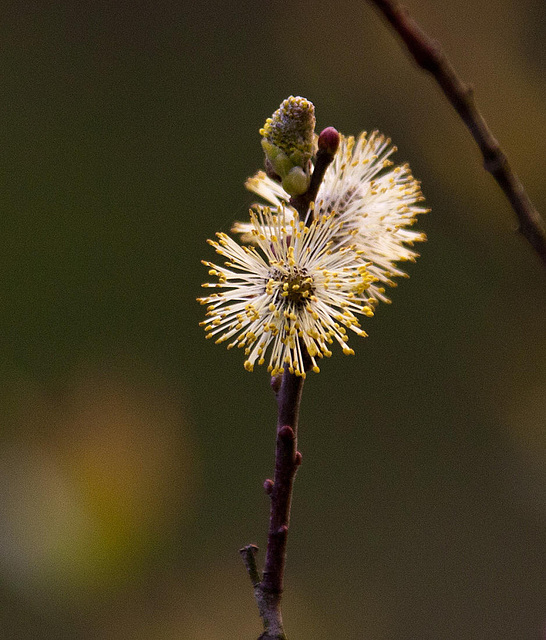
(429, 56)
(327, 146)
(268, 590)
(288, 400)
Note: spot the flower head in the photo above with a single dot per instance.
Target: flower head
(375, 201)
(289, 295)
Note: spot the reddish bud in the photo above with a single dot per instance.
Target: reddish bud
(286, 433)
(282, 530)
(268, 486)
(276, 383)
(297, 459)
(329, 140)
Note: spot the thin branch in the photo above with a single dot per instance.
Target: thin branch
(287, 461)
(268, 589)
(248, 554)
(328, 143)
(429, 55)
(286, 464)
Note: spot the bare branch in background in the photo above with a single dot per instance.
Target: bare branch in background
(429, 56)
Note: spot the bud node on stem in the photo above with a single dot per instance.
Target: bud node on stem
(286, 433)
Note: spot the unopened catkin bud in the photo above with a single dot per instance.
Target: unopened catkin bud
(289, 142)
(328, 140)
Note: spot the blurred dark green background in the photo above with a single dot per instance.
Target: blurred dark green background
(132, 451)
